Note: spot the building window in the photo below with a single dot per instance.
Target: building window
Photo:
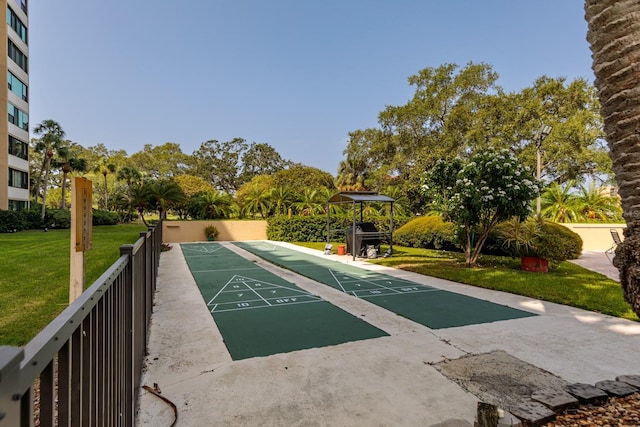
(18, 57)
(17, 87)
(17, 25)
(18, 117)
(17, 205)
(18, 179)
(18, 148)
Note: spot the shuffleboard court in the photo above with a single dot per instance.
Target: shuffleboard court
(259, 313)
(429, 306)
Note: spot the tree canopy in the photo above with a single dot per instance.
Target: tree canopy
(458, 111)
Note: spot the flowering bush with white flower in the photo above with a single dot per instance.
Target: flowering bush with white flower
(491, 187)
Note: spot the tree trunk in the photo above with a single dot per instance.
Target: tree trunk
(47, 166)
(614, 36)
(106, 196)
(65, 172)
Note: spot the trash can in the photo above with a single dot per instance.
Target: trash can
(342, 250)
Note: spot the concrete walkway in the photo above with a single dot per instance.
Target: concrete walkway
(389, 381)
(599, 262)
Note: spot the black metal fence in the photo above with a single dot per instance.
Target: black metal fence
(84, 368)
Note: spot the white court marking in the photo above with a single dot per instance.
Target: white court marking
(246, 288)
(342, 278)
(203, 249)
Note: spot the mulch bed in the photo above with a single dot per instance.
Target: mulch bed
(617, 412)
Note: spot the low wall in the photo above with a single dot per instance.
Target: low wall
(193, 231)
(596, 237)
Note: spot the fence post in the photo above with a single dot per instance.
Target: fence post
(10, 395)
(128, 326)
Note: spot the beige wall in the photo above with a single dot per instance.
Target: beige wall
(596, 237)
(193, 231)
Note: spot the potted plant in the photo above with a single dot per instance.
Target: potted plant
(528, 241)
(211, 232)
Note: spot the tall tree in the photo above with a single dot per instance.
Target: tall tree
(614, 36)
(357, 171)
(69, 160)
(219, 163)
(52, 137)
(131, 176)
(164, 161)
(260, 159)
(105, 166)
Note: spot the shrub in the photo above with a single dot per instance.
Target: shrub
(560, 241)
(11, 221)
(313, 228)
(58, 218)
(102, 217)
(545, 239)
(427, 232)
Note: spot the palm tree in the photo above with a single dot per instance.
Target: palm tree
(104, 167)
(141, 198)
(614, 36)
(216, 204)
(256, 201)
(558, 204)
(68, 162)
(131, 176)
(594, 205)
(165, 194)
(281, 199)
(49, 144)
(310, 202)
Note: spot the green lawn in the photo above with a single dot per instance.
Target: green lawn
(567, 284)
(34, 284)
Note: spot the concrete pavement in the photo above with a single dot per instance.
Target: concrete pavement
(599, 262)
(395, 380)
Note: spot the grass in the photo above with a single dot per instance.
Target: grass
(35, 275)
(566, 283)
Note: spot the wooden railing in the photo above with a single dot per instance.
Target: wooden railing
(84, 368)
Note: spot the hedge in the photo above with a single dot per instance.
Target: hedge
(429, 232)
(313, 228)
(30, 219)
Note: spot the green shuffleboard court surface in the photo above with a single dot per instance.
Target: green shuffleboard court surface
(259, 313)
(423, 304)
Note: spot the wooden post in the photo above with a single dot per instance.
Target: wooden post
(81, 233)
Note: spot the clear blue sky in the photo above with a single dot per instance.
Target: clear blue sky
(297, 74)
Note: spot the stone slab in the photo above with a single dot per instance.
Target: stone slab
(616, 388)
(532, 413)
(555, 399)
(632, 380)
(509, 420)
(586, 393)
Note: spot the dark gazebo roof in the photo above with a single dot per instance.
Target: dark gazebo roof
(359, 196)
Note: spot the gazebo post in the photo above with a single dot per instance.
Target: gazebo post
(353, 232)
(328, 221)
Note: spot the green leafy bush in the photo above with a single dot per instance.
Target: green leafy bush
(559, 242)
(544, 239)
(11, 221)
(313, 228)
(427, 232)
(102, 217)
(58, 218)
